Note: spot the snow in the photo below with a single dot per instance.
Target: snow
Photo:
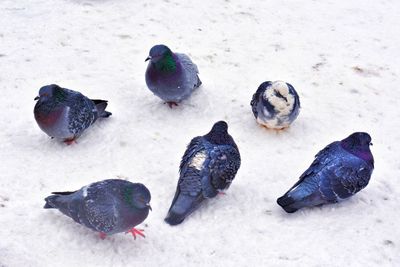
(341, 56)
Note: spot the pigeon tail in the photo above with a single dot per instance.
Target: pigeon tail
(199, 82)
(299, 198)
(182, 207)
(174, 218)
(50, 202)
(288, 203)
(101, 108)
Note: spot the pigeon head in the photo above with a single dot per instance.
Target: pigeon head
(357, 140)
(158, 52)
(358, 144)
(137, 196)
(219, 134)
(48, 91)
(162, 58)
(221, 127)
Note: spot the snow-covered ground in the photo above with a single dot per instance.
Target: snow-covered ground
(341, 56)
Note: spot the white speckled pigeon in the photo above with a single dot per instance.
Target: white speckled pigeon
(64, 114)
(108, 207)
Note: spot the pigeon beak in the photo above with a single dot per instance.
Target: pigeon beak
(36, 98)
(148, 58)
(371, 144)
(148, 205)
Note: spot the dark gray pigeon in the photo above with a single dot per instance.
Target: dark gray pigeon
(64, 114)
(171, 76)
(208, 166)
(338, 172)
(108, 207)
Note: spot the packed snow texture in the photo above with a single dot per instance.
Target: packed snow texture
(341, 56)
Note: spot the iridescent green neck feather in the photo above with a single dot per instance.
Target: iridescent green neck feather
(166, 64)
(59, 95)
(127, 193)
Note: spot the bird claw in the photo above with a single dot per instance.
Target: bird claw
(135, 232)
(102, 235)
(172, 104)
(70, 141)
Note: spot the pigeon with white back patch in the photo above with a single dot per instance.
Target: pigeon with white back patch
(208, 167)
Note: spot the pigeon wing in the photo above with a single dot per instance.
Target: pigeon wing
(101, 209)
(344, 177)
(189, 182)
(223, 166)
(82, 113)
(190, 69)
(187, 63)
(322, 159)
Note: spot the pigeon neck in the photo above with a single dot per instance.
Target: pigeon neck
(360, 152)
(127, 196)
(219, 138)
(167, 64)
(59, 95)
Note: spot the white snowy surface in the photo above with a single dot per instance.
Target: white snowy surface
(341, 56)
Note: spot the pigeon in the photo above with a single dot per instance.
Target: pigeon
(64, 114)
(171, 76)
(275, 105)
(108, 207)
(208, 167)
(339, 171)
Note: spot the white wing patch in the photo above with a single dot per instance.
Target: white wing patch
(84, 191)
(198, 160)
